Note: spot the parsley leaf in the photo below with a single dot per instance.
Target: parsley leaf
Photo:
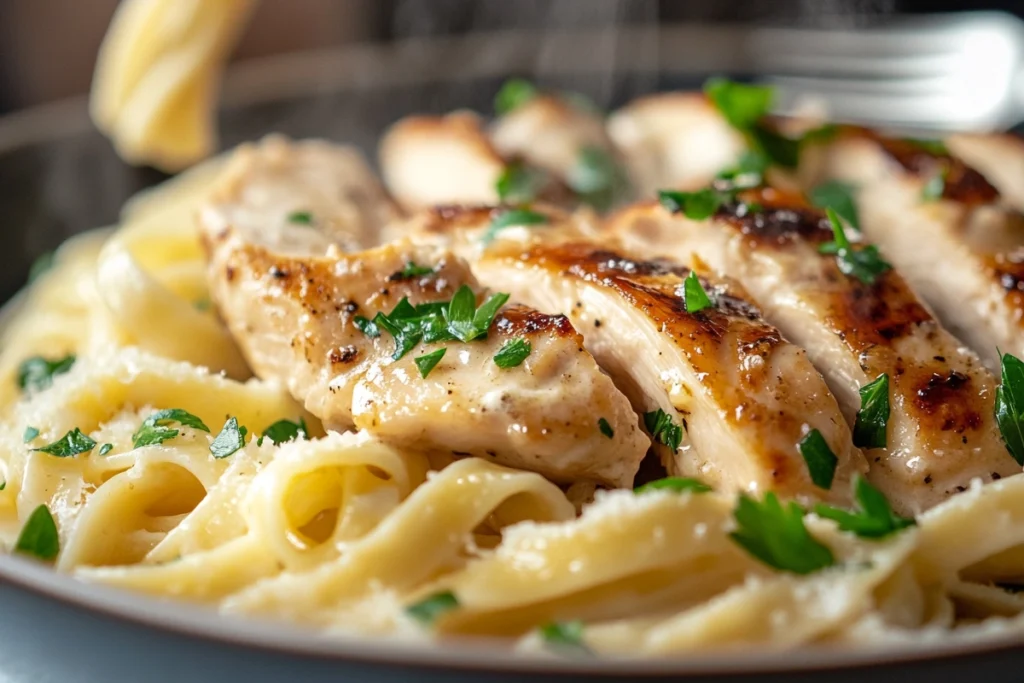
(694, 297)
(1009, 409)
(873, 517)
(821, 461)
(37, 373)
(677, 484)
(520, 183)
(742, 105)
(513, 353)
(285, 430)
(30, 433)
(869, 430)
(934, 186)
(514, 93)
(606, 428)
(154, 429)
(428, 610)
(565, 637)
(202, 305)
(838, 196)
(596, 178)
(410, 271)
(512, 218)
(366, 326)
(230, 439)
(750, 168)
(936, 147)
(778, 148)
(106, 448)
(694, 205)
(467, 322)
(427, 362)
(71, 444)
(40, 266)
(661, 428)
(776, 535)
(39, 537)
(864, 263)
(300, 218)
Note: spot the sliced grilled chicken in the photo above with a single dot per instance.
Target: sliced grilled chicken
(941, 432)
(297, 319)
(743, 395)
(428, 160)
(999, 157)
(673, 140)
(962, 252)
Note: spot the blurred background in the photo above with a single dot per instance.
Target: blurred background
(48, 47)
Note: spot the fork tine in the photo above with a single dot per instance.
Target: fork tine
(829, 86)
(872, 106)
(814, 58)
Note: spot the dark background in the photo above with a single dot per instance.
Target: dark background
(48, 47)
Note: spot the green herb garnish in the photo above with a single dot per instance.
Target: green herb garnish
(742, 105)
(519, 183)
(427, 362)
(934, 147)
(869, 431)
(155, 430)
(838, 196)
(37, 373)
(300, 218)
(1009, 409)
(514, 93)
(512, 218)
(512, 353)
(106, 448)
(466, 323)
(230, 439)
(934, 187)
(202, 305)
(428, 610)
(30, 433)
(776, 535)
(606, 428)
(694, 205)
(283, 431)
(694, 297)
(661, 428)
(597, 178)
(677, 484)
(39, 537)
(40, 266)
(821, 461)
(366, 326)
(564, 637)
(873, 517)
(410, 271)
(864, 263)
(71, 444)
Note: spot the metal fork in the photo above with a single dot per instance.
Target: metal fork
(941, 72)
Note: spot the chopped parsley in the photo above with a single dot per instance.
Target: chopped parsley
(428, 610)
(106, 448)
(512, 353)
(283, 431)
(37, 373)
(155, 430)
(230, 439)
(3, 485)
(864, 263)
(1009, 409)
(597, 178)
(934, 186)
(512, 218)
(300, 218)
(39, 537)
(676, 484)
(869, 431)
(467, 321)
(30, 433)
(661, 428)
(821, 461)
(776, 535)
(71, 444)
(606, 428)
(410, 271)
(696, 205)
(742, 105)
(838, 196)
(564, 637)
(202, 304)
(694, 297)
(366, 326)
(935, 147)
(429, 361)
(40, 266)
(513, 94)
(520, 183)
(873, 517)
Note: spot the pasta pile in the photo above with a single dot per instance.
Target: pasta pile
(348, 535)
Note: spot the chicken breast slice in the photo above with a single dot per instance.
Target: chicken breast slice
(743, 395)
(298, 317)
(941, 433)
(673, 140)
(962, 252)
